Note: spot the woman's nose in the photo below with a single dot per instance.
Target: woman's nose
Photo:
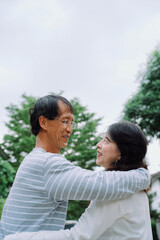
(98, 145)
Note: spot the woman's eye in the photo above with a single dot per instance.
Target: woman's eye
(105, 140)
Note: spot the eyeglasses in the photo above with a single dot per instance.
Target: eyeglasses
(67, 123)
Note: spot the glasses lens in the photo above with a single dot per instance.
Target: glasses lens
(74, 125)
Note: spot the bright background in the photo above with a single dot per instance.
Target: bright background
(90, 49)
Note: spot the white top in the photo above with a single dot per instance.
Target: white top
(125, 219)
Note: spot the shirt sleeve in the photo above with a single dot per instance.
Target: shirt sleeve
(96, 220)
(41, 235)
(65, 181)
(1, 234)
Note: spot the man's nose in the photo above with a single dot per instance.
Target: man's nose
(69, 128)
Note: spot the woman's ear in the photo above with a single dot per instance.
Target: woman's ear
(43, 122)
(119, 156)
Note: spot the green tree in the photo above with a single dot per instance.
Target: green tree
(7, 174)
(81, 148)
(154, 216)
(2, 202)
(144, 107)
(19, 141)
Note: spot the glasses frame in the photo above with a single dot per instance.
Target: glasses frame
(67, 122)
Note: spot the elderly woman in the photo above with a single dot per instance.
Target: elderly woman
(122, 148)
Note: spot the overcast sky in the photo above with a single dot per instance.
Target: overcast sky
(90, 49)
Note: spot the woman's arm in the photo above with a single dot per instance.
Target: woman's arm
(93, 223)
(41, 235)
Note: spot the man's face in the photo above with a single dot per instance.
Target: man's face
(59, 130)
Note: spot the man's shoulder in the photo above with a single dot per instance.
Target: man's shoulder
(56, 160)
(40, 157)
(42, 154)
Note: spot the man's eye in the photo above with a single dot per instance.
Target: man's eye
(65, 121)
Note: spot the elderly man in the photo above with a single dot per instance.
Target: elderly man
(45, 180)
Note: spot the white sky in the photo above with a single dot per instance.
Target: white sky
(90, 49)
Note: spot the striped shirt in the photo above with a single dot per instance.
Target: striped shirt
(45, 182)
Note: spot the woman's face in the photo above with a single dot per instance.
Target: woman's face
(107, 152)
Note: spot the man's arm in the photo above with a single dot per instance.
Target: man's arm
(1, 234)
(64, 181)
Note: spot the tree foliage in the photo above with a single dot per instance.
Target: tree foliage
(2, 202)
(81, 149)
(144, 107)
(19, 141)
(154, 216)
(7, 174)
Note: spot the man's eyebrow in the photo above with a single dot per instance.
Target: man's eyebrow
(67, 118)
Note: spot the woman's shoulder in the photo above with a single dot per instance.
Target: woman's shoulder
(135, 204)
(135, 201)
(139, 196)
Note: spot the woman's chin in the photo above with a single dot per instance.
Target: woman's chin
(97, 162)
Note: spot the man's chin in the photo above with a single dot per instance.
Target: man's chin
(64, 144)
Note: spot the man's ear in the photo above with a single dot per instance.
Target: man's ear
(43, 122)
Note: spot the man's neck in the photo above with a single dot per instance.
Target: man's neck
(43, 142)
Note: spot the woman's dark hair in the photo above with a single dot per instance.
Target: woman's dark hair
(46, 106)
(131, 143)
